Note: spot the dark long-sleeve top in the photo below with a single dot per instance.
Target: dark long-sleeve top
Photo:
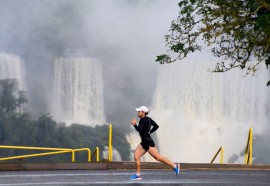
(144, 127)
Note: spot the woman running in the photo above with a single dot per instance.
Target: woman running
(145, 127)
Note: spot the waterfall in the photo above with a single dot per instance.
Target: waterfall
(11, 67)
(199, 111)
(77, 92)
(116, 156)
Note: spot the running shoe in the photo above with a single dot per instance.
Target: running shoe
(177, 168)
(135, 177)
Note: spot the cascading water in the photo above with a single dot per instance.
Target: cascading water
(78, 94)
(115, 154)
(199, 111)
(11, 67)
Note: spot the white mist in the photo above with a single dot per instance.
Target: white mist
(199, 111)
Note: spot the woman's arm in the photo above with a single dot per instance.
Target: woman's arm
(155, 126)
(137, 127)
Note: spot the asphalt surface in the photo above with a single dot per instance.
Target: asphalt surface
(121, 177)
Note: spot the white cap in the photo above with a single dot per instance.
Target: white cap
(143, 108)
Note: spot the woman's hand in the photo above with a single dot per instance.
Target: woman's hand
(133, 121)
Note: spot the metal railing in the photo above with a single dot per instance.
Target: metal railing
(60, 151)
(248, 153)
(55, 151)
(221, 151)
(110, 143)
(96, 151)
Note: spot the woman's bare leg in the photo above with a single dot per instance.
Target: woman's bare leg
(155, 154)
(139, 152)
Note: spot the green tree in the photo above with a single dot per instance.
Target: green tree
(46, 128)
(237, 31)
(16, 127)
(11, 99)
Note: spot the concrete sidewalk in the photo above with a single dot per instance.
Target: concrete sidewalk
(124, 166)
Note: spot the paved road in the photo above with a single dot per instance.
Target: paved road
(121, 177)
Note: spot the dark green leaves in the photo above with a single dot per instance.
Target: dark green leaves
(163, 58)
(177, 47)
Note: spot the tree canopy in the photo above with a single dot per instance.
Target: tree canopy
(11, 99)
(237, 30)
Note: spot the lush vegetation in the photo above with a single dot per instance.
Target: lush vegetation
(237, 30)
(18, 128)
